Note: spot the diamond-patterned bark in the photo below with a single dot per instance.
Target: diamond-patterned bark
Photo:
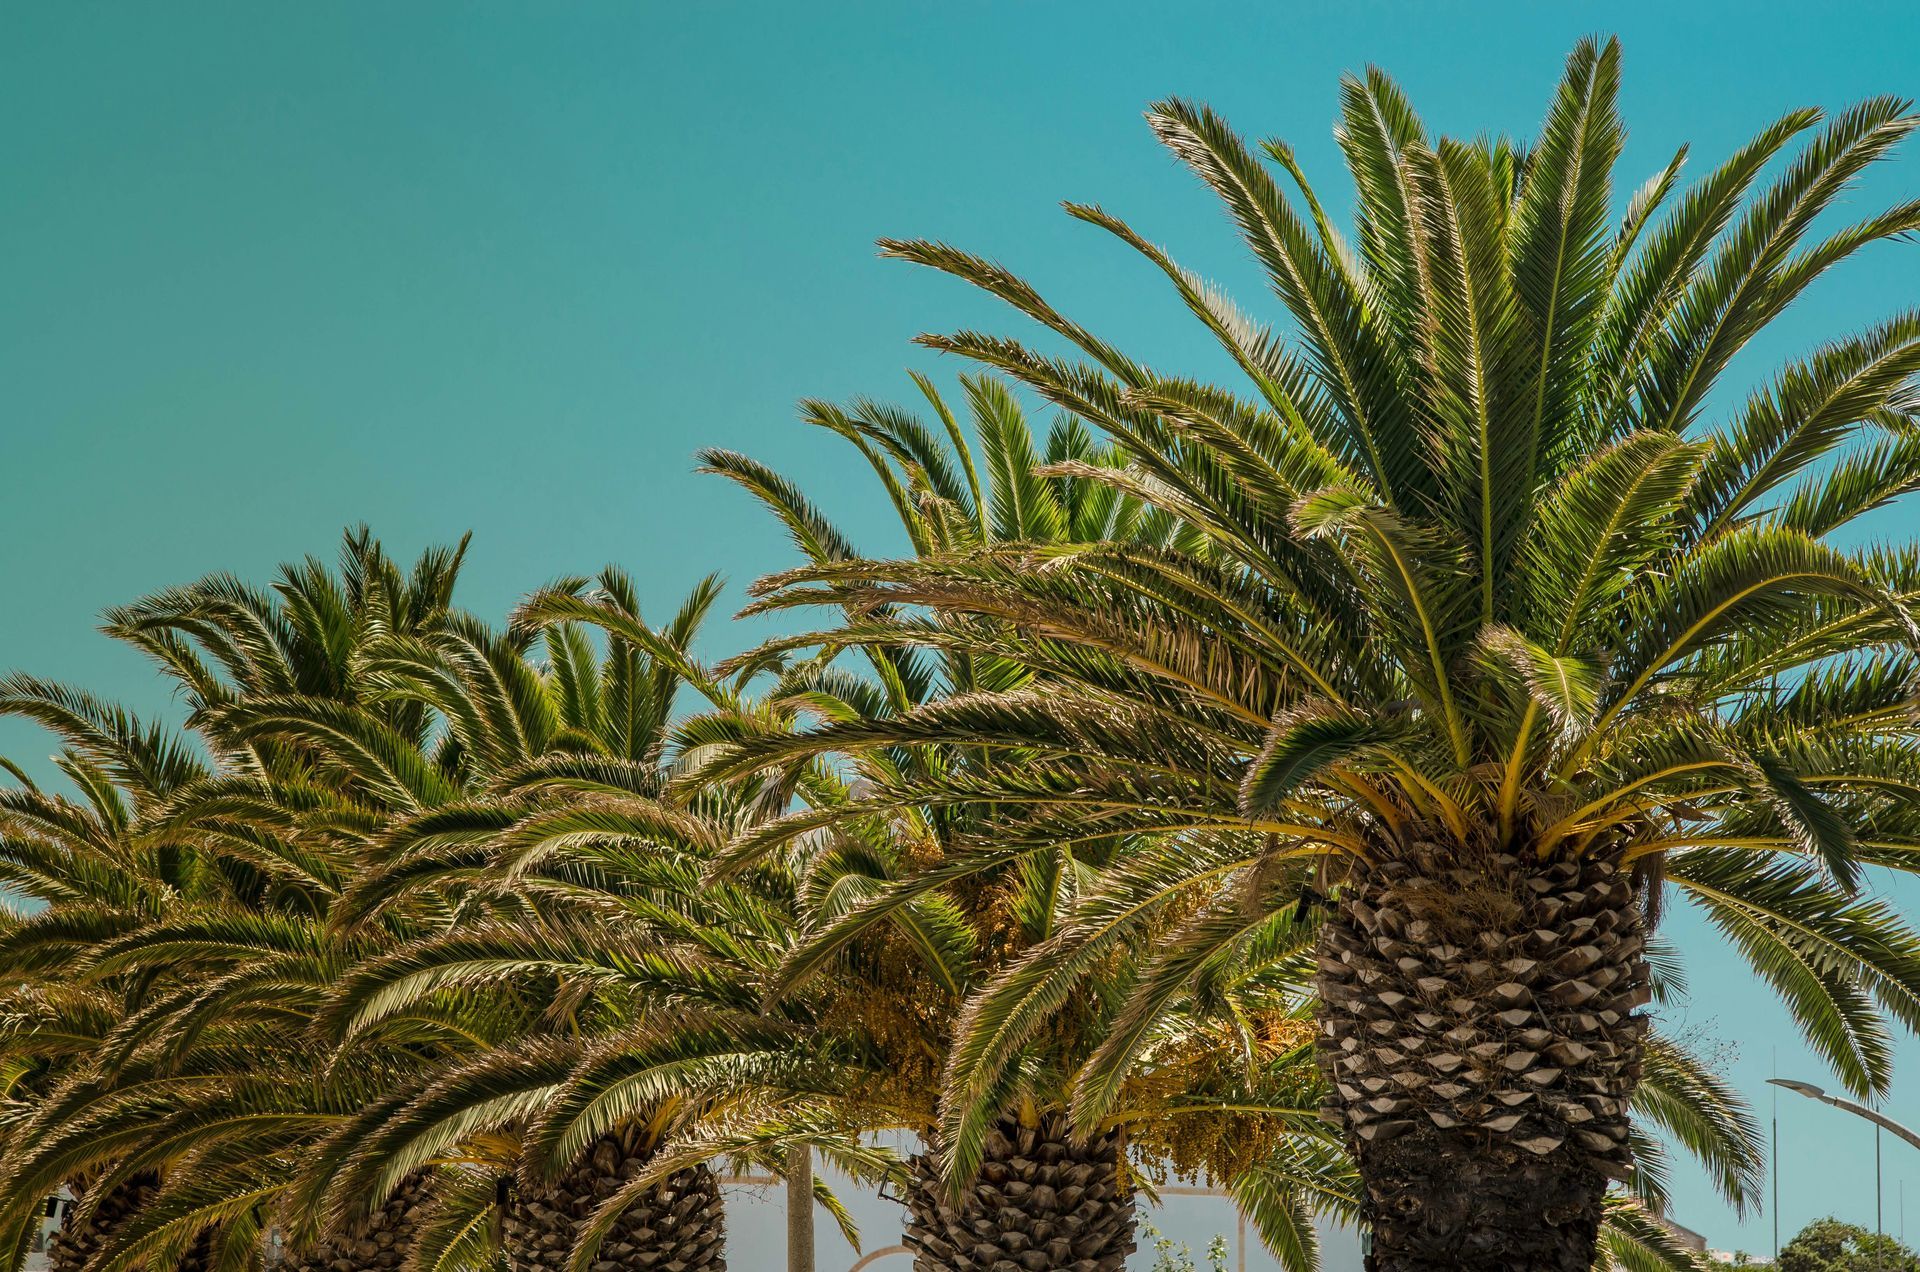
(1043, 1202)
(1481, 1041)
(679, 1226)
(380, 1244)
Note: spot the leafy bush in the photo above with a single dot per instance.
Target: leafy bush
(1828, 1245)
(1172, 1256)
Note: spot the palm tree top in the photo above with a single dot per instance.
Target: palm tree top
(1474, 526)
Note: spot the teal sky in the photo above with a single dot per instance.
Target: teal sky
(271, 269)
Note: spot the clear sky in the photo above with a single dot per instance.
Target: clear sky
(266, 270)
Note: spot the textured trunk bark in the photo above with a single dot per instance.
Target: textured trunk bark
(79, 1239)
(1453, 1201)
(1043, 1202)
(379, 1245)
(1480, 1040)
(679, 1226)
(800, 1209)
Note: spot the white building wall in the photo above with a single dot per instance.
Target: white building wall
(36, 1260)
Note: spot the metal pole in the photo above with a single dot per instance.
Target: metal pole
(1776, 1173)
(1879, 1229)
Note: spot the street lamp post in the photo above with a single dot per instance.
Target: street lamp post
(1880, 1122)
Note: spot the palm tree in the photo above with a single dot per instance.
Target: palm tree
(943, 501)
(1193, 1082)
(341, 706)
(224, 978)
(95, 867)
(589, 723)
(1038, 494)
(494, 720)
(1505, 629)
(680, 971)
(903, 976)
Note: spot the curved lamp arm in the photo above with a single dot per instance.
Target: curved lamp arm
(1879, 1119)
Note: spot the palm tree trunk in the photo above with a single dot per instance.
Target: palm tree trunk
(381, 1244)
(1043, 1202)
(679, 1225)
(1480, 1039)
(80, 1238)
(800, 1209)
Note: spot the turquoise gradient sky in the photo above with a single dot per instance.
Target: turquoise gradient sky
(266, 270)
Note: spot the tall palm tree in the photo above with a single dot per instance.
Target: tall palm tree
(1038, 493)
(1507, 627)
